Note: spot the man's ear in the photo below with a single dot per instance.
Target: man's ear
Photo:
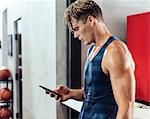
(90, 20)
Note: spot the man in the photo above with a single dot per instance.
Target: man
(109, 82)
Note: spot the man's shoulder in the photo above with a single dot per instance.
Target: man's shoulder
(116, 52)
(117, 46)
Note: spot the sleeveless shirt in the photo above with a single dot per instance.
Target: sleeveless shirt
(99, 102)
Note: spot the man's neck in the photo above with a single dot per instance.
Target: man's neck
(101, 34)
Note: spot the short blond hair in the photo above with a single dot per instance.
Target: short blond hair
(81, 9)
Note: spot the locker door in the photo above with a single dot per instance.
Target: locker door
(138, 41)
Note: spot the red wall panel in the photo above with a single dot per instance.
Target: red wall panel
(138, 41)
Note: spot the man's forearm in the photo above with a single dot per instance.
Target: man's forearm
(125, 111)
(77, 94)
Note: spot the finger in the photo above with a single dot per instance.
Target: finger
(60, 87)
(52, 95)
(46, 92)
(57, 97)
(60, 99)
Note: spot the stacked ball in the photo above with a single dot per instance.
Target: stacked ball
(5, 113)
(5, 93)
(4, 73)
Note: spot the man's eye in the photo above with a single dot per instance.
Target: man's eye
(76, 29)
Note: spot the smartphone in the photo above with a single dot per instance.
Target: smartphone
(50, 91)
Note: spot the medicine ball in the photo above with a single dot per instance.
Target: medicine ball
(5, 94)
(4, 73)
(5, 113)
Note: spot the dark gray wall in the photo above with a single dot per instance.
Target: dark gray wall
(61, 52)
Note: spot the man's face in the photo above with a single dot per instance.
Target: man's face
(83, 32)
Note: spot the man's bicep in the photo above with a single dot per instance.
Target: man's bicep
(121, 76)
(123, 86)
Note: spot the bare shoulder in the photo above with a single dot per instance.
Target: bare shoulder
(117, 56)
(117, 48)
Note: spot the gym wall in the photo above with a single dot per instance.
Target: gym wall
(38, 55)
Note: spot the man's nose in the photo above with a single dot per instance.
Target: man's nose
(76, 35)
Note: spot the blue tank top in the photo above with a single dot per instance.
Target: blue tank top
(99, 102)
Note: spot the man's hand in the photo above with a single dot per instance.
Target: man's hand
(63, 91)
(67, 93)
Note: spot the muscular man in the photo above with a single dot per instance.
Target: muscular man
(109, 81)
